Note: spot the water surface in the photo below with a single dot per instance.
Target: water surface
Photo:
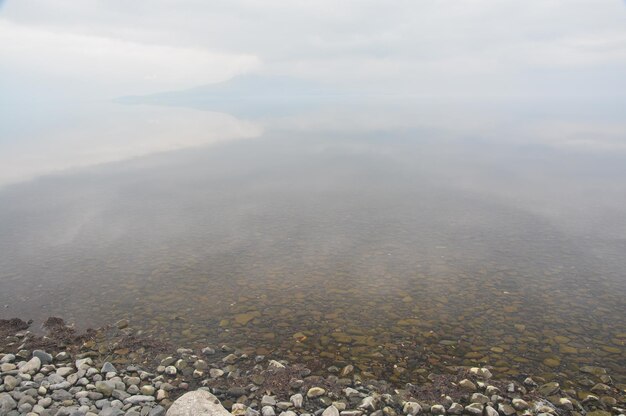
(400, 235)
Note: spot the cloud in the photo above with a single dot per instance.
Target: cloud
(432, 47)
(106, 66)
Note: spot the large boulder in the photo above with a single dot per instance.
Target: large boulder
(197, 403)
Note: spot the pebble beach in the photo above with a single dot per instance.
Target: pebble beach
(65, 372)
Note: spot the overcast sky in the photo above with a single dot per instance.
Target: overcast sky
(63, 61)
(97, 48)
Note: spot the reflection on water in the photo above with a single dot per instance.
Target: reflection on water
(400, 250)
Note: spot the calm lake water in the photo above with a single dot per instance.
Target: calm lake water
(400, 235)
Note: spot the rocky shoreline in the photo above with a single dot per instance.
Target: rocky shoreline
(112, 371)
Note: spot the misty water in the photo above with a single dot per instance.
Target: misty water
(396, 234)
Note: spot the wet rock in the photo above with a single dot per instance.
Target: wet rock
(437, 410)
(346, 371)
(466, 384)
(315, 392)
(368, 403)
(483, 373)
(549, 389)
(230, 359)
(170, 370)
(208, 351)
(216, 373)
(565, 403)
(122, 323)
(600, 388)
(519, 404)
(411, 408)
(199, 402)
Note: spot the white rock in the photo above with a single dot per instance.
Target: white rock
(196, 403)
(412, 408)
(330, 411)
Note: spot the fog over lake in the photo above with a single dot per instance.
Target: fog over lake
(253, 205)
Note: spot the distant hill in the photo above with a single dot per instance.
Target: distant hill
(248, 95)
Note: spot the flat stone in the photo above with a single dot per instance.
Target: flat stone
(140, 398)
(267, 400)
(549, 389)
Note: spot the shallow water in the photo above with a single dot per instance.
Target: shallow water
(400, 236)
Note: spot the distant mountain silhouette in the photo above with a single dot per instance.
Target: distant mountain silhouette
(248, 96)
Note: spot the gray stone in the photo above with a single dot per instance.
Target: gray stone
(330, 411)
(138, 399)
(506, 409)
(296, 400)
(251, 412)
(83, 363)
(455, 409)
(474, 409)
(196, 403)
(60, 395)
(43, 356)
(368, 403)
(268, 411)
(216, 373)
(8, 358)
(31, 367)
(111, 411)
(157, 411)
(479, 398)
(10, 383)
(467, 385)
(6, 403)
(105, 387)
(490, 411)
(107, 367)
(267, 400)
